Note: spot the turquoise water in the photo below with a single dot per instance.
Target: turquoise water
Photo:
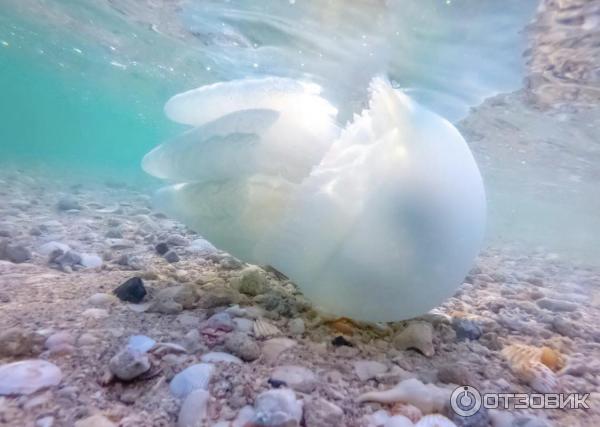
(84, 84)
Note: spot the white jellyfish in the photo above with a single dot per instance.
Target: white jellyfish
(379, 221)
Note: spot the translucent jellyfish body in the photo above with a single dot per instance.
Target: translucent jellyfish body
(379, 221)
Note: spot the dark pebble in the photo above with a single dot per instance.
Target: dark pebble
(171, 257)
(466, 329)
(340, 341)
(162, 248)
(132, 290)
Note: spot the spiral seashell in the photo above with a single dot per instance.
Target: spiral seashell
(435, 420)
(264, 329)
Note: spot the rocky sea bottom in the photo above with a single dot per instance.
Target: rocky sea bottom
(114, 315)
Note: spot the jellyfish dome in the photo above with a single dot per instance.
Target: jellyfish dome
(378, 221)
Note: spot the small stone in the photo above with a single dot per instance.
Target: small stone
(195, 377)
(318, 412)
(177, 240)
(132, 290)
(90, 260)
(340, 341)
(556, 305)
(274, 347)
(16, 342)
(296, 326)
(57, 342)
(16, 254)
(369, 369)
(101, 300)
(466, 329)
(48, 248)
(217, 296)
(161, 248)
(202, 246)
(252, 281)
(171, 257)
(47, 421)
(95, 421)
(243, 346)
(221, 322)
(193, 411)
(140, 343)
(87, 339)
(175, 299)
(67, 259)
(68, 203)
(128, 364)
(277, 408)
(28, 376)
(454, 373)
(296, 377)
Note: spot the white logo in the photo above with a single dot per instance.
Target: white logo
(465, 400)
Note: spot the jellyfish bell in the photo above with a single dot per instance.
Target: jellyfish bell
(379, 221)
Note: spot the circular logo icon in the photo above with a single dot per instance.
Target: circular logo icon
(465, 400)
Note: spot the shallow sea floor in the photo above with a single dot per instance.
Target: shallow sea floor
(204, 301)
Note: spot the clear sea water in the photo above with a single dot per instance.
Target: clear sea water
(83, 84)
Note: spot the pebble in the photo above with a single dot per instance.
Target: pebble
(132, 290)
(556, 305)
(298, 378)
(16, 342)
(140, 343)
(202, 246)
(171, 257)
(277, 408)
(101, 300)
(318, 412)
(368, 369)
(161, 248)
(454, 373)
(274, 347)
(129, 364)
(194, 409)
(48, 248)
(195, 377)
(95, 313)
(95, 421)
(16, 254)
(296, 326)
(60, 343)
(220, 321)
(27, 377)
(175, 299)
(90, 260)
(466, 329)
(252, 281)
(243, 346)
(47, 421)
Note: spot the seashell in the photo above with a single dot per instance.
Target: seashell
(418, 335)
(28, 376)
(409, 411)
(435, 420)
(552, 359)
(526, 362)
(427, 397)
(264, 329)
